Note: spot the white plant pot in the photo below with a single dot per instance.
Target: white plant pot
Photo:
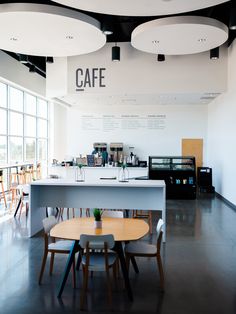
(98, 224)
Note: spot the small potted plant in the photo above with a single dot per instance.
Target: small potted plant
(97, 213)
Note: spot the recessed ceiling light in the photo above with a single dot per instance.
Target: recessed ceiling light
(69, 37)
(13, 39)
(201, 40)
(155, 41)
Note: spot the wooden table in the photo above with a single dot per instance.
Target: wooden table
(123, 229)
(112, 194)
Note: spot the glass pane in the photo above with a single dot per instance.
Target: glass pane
(3, 95)
(30, 104)
(42, 108)
(42, 150)
(16, 149)
(3, 121)
(16, 123)
(30, 145)
(42, 128)
(30, 126)
(16, 99)
(3, 149)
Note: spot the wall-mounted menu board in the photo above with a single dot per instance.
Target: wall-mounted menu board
(111, 122)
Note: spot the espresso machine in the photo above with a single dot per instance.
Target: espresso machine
(116, 153)
(100, 152)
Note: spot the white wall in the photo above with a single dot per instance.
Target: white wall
(221, 135)
(180, 122)
(59, 129)
(139, 72)
(15, 72)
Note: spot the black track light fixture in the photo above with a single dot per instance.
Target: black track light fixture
(32, 68)
(107, 28)
(23, 58)
(49, 59)
(214, 53)
(161, 57)
(232, 18)
(115, 53)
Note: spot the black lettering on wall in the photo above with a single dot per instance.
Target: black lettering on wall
(79, 85)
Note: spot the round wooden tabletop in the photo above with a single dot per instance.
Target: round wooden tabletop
(123, 229)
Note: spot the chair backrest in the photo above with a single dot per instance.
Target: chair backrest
(96, 241)
(48, 223)
(159, 230)
(113, 213)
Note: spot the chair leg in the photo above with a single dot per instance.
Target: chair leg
(73, 212)
(150, 221)
(135, 266)
(27, 209)
(68, 213)
(43, 267)
(51, 263)
(108, 286)
(85, 286)
(79, 260)
(73, 274)
(21, 206)
(127, 258)
(161, 272)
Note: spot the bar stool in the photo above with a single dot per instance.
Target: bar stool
(29, 173)
(144, 214)
(2, 187)
(16, 179)
(37, 174)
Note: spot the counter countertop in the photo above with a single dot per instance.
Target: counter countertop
(105, 183)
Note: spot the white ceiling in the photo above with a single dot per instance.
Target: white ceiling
(140, 7)
(85, 100)
(44, 30)
(179, 35)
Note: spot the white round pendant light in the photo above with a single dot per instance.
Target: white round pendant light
(179, 35)
(46, 30)
(140, 7)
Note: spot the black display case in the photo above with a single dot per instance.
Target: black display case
(179, 173)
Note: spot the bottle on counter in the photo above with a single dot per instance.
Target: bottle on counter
(123, 174)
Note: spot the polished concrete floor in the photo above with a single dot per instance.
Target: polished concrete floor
(199, 260)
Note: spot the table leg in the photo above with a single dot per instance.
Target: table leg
(118, 248)
(73, 250)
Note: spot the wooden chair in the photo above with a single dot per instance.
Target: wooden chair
(52, 246)
(143, 249)
(61, 213)
(97, 258)
(144, 214)
(2, 195)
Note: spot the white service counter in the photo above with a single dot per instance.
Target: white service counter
(95, 173)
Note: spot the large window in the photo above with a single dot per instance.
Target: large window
(23, 126)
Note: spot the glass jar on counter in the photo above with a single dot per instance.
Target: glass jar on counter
(79, 173)
(123, 175)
